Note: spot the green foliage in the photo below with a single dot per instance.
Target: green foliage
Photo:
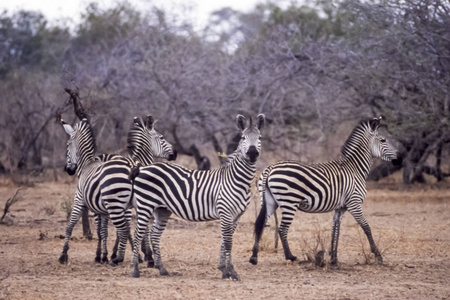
(104, 27)
(29, 43)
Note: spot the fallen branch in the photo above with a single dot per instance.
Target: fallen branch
(14, 199)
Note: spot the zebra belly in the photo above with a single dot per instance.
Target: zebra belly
(304, 197)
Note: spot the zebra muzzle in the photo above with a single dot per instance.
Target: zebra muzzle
(173, 155)
(252, 154)
(71, 169)
(397, 161)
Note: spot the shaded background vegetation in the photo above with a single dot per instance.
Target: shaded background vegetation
(311, 68)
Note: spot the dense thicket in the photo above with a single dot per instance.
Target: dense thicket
(308, 68)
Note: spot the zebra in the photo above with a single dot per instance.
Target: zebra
(337, 185)
(220, 194)
(143, 142)
(104, 187)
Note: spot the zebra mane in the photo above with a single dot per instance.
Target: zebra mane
(230, 158)
(358, 135)
(86, 138)
(250, 122)
(138, 145)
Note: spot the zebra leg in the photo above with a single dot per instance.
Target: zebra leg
(161, 218)
(74, 217)
(145, 247)
(123, 230)
(116, 247)
(287, 216)
(337, 218)
(222, 260)
(357, 213)
(128, 216)
(139, 233)
(227, 227)
(98, 253)
(104, 236)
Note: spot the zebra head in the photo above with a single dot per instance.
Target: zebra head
(379, 146)
(144, 142)
(250, 144)
(80, 146)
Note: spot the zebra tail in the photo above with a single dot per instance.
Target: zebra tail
(260, 222)
(134, 172)
(259, 225)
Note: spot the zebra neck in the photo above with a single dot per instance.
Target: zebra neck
(85, 162)
(145, 160)
(360, 162)
(244, 168)
(86, 156)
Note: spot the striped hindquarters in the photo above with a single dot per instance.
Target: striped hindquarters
(307, 187)
(110, 187)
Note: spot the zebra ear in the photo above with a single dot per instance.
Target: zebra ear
(260, 121)
(69, 130)
(137, 122)
(150, 122)
(241, 122)
(375, 123)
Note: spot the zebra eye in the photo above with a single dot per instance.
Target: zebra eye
(242, 137)
(382, 140)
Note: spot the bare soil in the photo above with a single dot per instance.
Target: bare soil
(411, 227)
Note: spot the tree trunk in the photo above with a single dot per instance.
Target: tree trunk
(2, 168)
(439, 175)
(382, 171)
(86, 225)
(203, 162)
(234, 143)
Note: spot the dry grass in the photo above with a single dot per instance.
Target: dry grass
(411, 227)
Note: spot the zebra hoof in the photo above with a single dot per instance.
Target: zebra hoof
(379, 259)
(98, 260)
(135, 273)
(230, 275)
(254, 260)
(113, 256)
(235, 277)
(104, 260)
(163, 272)
(113, 263)
(292, 258)
(150, 263)
(225, 274)
(63, 259)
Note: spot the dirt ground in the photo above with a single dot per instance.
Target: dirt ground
(411, 227)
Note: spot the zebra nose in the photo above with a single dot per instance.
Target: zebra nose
(397, 161)
(252, 153)
(70, 169)
(173, 155)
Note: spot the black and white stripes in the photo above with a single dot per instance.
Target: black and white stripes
(105, 183)
(337, 185)
(163, 188)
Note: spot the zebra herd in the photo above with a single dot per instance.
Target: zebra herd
(111, 185)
